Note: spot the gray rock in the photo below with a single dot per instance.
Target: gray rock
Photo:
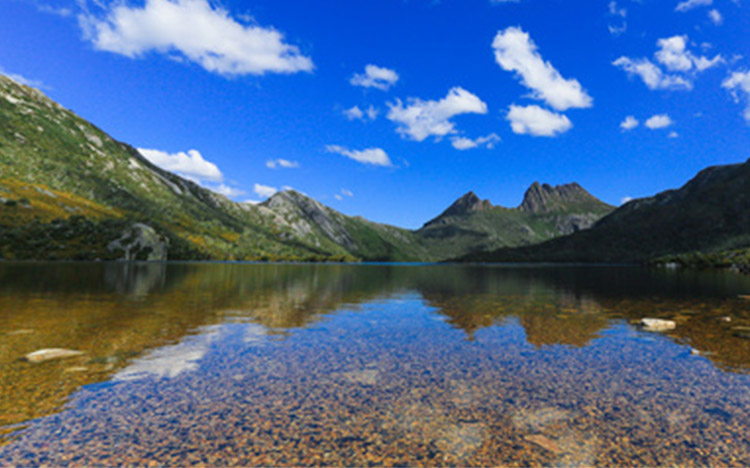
(140, 240)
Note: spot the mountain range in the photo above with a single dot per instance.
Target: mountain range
(70, 191)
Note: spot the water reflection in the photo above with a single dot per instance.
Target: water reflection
(521, 357)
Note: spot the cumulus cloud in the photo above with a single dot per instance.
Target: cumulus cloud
(625, 199)
(673, 135)
(374, 156)
(355, 113)
(535, 121)
(738, 83)
(463, 143)
(673, 54)
(264, 190)
(681, 65)
(658, 122)
(629, 123)
(420, 119)
(375, 77)
(617, 12)
(688, 5)
(515, 51)
(198, 32)
(715, 17)
(191, 164)
(653, 77)
(281, 163)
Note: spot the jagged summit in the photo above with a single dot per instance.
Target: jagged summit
(543, 198)
(468, 203)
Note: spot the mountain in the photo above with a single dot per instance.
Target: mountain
(709, 215)
(70, 191)
(546, 212)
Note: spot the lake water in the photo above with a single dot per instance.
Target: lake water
(243, 364)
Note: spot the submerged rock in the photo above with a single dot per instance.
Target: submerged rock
(48, 354)
(657, 325)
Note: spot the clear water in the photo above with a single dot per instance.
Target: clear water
(226, 364)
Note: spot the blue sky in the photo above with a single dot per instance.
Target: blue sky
(392, 109)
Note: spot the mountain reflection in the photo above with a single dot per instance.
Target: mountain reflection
(156, 319)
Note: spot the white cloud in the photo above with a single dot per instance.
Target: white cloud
(625, 199)
(199, 32)
(617, 12)
(673, 135)
(374, 156)
(715, 17)
(190, 164)
(690, 4)
(614, 10)
(355, 113)
(533, 120)
(653, 77)
(375, 77)
(227, 191)
(463, 143)
(347, 193)
(658, 122)
(673, 54)
(281, 163)
(264, 190)
(629, 123)
(617, 30)
(515, 51)
(421, 119)
(738, 83)
(338, 197)
(20, 79)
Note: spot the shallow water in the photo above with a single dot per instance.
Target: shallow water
(226, 364)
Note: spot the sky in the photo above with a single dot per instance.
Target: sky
(392, 109)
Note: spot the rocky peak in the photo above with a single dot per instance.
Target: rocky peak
(541, 198)
(469, 203)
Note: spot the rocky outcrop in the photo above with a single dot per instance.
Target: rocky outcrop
(543, 198)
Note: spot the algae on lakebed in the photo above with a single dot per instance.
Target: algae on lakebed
(372, 365)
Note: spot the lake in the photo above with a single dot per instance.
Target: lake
(356, 365)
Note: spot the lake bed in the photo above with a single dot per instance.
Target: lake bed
(342, 365)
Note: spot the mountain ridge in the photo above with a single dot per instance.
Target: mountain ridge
(70, 191)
